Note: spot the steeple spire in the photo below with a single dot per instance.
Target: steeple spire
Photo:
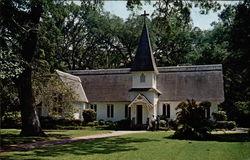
(144, 59)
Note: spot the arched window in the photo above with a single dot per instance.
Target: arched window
(142, 78)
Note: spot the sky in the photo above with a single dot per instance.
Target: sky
(202, 21)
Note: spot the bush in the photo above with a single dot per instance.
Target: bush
(75, 122)
(191, 122)
(109, 123)
(48, 122)
(228, 125)
(220, 115)
(123, 124)
(163, 123)
(163, 117)
(89, 115)
(101, 122)
(11, 120)
(69, 122)
(55, 123)
(243, 113)
(172, 125)
(70, 127)
(94, 123)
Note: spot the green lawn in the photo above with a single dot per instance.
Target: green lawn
(143, 146)
(11, 136)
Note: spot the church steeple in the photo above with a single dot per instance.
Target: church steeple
(144, 59)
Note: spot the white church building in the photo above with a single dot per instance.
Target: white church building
(145, 89)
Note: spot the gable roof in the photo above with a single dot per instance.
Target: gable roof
(74, 82)
(144, 59)
(140, 98)
(202, 82)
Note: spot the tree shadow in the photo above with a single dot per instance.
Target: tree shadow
(10, 158)
(89, 147)
(225, 137)
(14, 139)
(231, 137)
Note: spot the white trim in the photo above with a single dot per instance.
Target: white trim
(141, 99)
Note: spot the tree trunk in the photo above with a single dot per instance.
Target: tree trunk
(30, 121)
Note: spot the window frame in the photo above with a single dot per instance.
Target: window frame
(110, 110)
(93, 107)
(142, 78)
(127, 111)
(166, 110)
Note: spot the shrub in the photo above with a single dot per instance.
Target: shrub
(124, 124)
(172, 125)
(108, 122)
(111, 125)
(163, 117)
(243, 113)
(48, 123)
(11, 120)
(220, 116)
(163, 123)
(101, 122)
(75, 122)
(89, 115)
(92, 124)
(96, 123)
(191, 122)
(70, 127)
(55, 123)
(228, 125)
(69, 122)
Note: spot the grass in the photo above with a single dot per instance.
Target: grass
(143, 146)
(11, 136)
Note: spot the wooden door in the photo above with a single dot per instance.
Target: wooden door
(139, 114)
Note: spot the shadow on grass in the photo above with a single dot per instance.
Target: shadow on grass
(231, 137)
(9, 158)
(225, 137)
(10, 139)
(83, 148)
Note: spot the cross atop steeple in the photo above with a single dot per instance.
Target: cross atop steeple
(144, 15)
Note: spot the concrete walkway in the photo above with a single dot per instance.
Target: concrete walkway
(41, 144)
(238, 130)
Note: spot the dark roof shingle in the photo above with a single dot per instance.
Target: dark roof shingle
(144, 59)
(204, 82)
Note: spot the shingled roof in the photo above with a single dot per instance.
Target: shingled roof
(144, 59)
(73, 82)
(202, 82)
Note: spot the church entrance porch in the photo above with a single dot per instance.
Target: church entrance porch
(141, 110)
